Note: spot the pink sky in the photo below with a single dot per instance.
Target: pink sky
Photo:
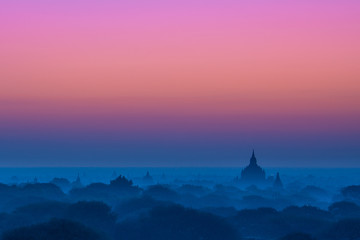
(288, 66)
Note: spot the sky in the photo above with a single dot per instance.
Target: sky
(180, 83)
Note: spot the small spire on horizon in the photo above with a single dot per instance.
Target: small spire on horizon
(253, 158)
(78, 177)
(278, 183)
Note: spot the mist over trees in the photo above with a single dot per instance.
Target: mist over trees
(122, 210)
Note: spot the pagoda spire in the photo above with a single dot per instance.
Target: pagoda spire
(278, 183)
(253, 158)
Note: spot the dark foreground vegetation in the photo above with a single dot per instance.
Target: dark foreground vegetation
(122, 211)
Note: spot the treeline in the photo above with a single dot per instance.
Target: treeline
(164, 220)
(121, 211)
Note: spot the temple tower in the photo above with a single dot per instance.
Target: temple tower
(253, 173)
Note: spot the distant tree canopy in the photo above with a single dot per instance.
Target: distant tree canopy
(63, 183)
(176, 223)
(345, 209)
(161, 192)
(269, 223)
(96, 215)
(120, 210)
(351, 192)
(45, 189)
(297, 236)
(307, 211)
(19, 195)
(118, 188)
(121, 181)
(40, 212)
(136, 206)
(56, 229)
(348, 229)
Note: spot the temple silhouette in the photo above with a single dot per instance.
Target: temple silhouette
(253, 173)
(278, 183)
